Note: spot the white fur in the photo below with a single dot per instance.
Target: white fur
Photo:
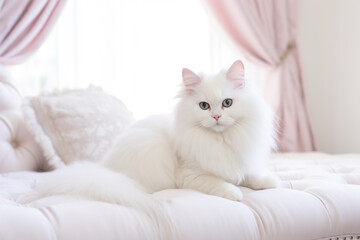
(232, 151)
(189, 149)
(145, 153)
(93, 181)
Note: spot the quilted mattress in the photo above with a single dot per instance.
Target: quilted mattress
(319, 199)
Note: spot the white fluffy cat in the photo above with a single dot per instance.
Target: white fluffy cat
(217, 139)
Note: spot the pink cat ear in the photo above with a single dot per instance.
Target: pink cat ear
(190, 79)
(235, 74)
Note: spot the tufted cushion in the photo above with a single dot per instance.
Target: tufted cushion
(321, 201)
(75, 125)
(19, 151)
(9, 96)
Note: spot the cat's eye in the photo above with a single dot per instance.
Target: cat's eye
(227, 102)
(204, 105)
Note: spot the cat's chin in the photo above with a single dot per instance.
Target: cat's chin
(218, 128)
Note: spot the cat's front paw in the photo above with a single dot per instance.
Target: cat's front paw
(231, 192)
(262, 181)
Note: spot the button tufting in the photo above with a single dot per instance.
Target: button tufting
(14, 144)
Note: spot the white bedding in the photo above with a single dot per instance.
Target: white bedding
(319, 199)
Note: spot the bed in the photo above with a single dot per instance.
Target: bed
(319, 197)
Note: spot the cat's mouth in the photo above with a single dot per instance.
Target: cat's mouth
(219, 126)
(216, 126)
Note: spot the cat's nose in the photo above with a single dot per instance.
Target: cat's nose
(216, 117)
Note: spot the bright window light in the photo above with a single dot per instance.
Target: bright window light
(133, 49)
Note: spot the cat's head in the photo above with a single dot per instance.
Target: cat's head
(215, 102)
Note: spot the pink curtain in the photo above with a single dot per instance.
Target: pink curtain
(265, 32)
(24, 24)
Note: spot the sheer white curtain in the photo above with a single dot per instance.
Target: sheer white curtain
(134, 49)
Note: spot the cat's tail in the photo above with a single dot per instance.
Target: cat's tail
(93, 181)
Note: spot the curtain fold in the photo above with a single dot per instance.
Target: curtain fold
(265, 32)
(24, 25)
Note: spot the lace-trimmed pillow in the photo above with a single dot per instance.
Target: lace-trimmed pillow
(75, 125)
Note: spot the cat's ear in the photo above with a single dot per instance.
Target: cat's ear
(235, 74)
(190, 80)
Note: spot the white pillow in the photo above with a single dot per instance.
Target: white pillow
(75, 125)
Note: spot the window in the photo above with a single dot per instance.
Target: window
(133, 49)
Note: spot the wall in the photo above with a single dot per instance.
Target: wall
(329, 41)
